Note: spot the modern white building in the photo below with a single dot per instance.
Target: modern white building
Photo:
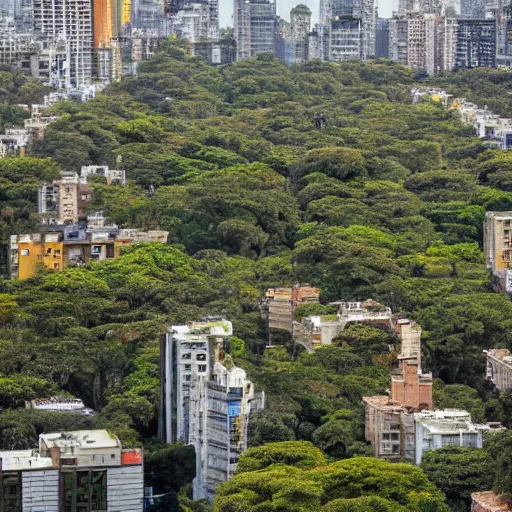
(205, 399)
(447, 427)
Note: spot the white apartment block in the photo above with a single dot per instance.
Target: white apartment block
(205, 401)
(69, 21)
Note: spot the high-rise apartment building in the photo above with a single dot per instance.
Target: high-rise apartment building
(352, 29)
(476, 43)
(205, 399)
(71, 22)
(255, 27)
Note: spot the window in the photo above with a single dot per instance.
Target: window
(84, 491)
(10, 492)
(186, 355)
(25, 252)
(201, 368)
(188, 367)
(507, 223)
(201, 357)
(49, 250)
(187, 378)
(56, 266)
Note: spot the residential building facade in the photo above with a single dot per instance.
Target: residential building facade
(205, 399)
(498, 248)
(255, 27)
(280, 303)
(71, 472)
(406, 424)
(56, 247)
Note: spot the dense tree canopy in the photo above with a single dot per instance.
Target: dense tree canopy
(387, 201)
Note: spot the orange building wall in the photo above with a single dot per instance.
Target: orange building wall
(102, 23)
(55, 257)
(27, 265)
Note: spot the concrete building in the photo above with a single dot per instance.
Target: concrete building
(300, 24)
(448, 427)
(56, 247)
(499, 368)
(255, 27)
(72, 22)
(382, 38)
(498, 247)
(488, 501)
(66, 199)
(405, 424)
(72, 471)
(215, 52)
(398, 40)
(352, 26)
(472, 9)
(476, 43)
(317, 330)
(280, 303)
(205, 399)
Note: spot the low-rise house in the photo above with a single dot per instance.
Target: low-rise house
(280, 303)
(319, 330)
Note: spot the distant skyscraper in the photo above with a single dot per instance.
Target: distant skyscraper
(476, 44)
(352, 29)
(71, 22)
(255, 27)
(382, 38)
(300, 21)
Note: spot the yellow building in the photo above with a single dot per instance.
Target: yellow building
(498, 240)
(59, 247)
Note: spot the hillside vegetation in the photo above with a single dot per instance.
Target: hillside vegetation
(386, 201)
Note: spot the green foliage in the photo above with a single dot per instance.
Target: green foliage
(299, 454)
(387, 201)
(347, 485)
(458, 472)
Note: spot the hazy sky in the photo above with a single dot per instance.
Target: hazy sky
(284, 6)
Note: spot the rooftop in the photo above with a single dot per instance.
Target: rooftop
(501, 354)
(84, 439)
(17, 460)
(382, 402)
(490, 501)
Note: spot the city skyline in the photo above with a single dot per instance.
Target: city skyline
(284, 6)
